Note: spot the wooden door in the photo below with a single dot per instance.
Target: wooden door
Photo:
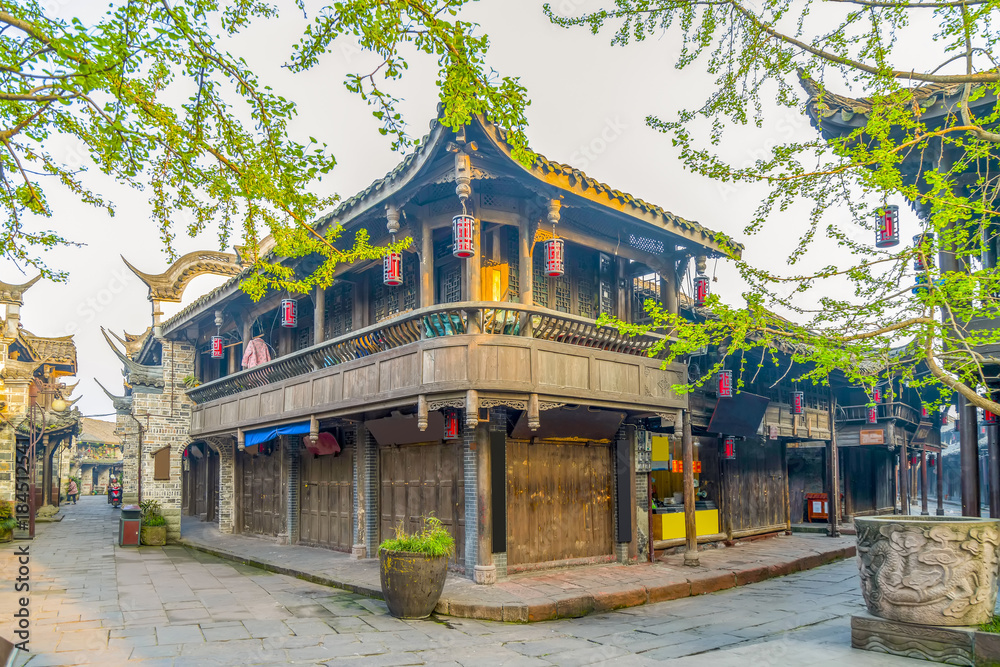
(559, 501)
(201, 485)
(417, 480)
(326, 500)
(755, 486)
(263, 499)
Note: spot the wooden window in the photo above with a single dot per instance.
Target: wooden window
(339, 309)
(388, 301)
(514, 263)
(161, 463)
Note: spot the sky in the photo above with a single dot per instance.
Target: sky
(589, 104)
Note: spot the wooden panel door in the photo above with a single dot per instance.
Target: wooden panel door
(262, 507)
(326, 500)
(559, 501)
(755, 486)
(417, 480)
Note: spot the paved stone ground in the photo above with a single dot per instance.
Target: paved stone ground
(96, 604)
(550, 594)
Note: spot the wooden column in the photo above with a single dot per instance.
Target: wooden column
(668, 291)
(319, 315)
(993, 479)
(46, 471)
(690, 529)
(904, 480)
(848, 478)
(525, 270)
(923, 481)
(833, 473)
(485, 571)
(939, 480)
(426, 264)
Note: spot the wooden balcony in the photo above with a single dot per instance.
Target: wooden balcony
(850, 414)
(500, 350)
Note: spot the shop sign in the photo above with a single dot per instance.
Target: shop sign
(872, 437)
(678, 466)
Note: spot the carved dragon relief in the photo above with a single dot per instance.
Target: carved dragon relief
(933, 573)
(169, 286)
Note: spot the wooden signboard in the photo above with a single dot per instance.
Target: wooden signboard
(872, 437)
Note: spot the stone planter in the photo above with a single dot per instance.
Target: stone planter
(929, 570)
(6, 536)
(411, 582)
(154, 536)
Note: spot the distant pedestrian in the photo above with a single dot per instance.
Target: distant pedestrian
(72, 490)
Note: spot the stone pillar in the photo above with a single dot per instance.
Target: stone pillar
(227, 483)
(969, 451)
(485, 570)
(365, 495)
(355, 438)
(904, 480)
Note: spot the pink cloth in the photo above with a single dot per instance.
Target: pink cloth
(256, 353)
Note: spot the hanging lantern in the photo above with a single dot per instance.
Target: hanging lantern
(462, 229)
(798, 402)
(931, 461)
(944, 418)
(555, 258)
(878, 395)
(924, 412)
(913, 460)
(872, 414)
(729, 448)
(923, 240)
(392, 269)
(725, 384)
(216, 347)
(701, 290)
(289, 313)
(989, 417)
(887, 234)
(451, 424)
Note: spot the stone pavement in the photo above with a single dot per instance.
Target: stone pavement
(529, 597)
(92, 603)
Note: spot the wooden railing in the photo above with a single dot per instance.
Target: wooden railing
(859, 413)
(492, 318)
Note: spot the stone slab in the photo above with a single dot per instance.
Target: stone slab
(938, 643)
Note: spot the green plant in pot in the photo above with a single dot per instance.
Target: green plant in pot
(413, 567)
(8, 522)
(154, 526)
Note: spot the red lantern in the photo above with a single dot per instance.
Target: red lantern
(701, 291)
(989, 417)
(931, 462)
(887, 234)
(216, 347)
(922, 242)
(944, 418)
(462, 229)
(913, 460)
(289, 313)
(878, 395)
(729, 448)
(798, 402)
(872, 414)
(392, 269)
(451, 425)
(923, 411)
(555, 258)
(725, 384)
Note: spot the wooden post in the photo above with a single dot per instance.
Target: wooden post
(923, 481)
(46, 472)
(485, 571)
(426, 264)
(525, 269)
(319, 316)
(939, 479)
(993, 479)
(848, 478)
(904, 480)
(833, 480)
(690, 529)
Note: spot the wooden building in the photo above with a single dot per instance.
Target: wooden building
(479, 389)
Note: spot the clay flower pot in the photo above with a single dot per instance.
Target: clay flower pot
(931, 570)
(411, 582)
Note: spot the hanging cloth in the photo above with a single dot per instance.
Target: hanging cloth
(256, 353)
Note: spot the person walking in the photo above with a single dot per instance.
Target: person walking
(72, 490)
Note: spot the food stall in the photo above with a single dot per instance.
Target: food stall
(668, 488)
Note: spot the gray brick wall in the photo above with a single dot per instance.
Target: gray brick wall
(471, 500)
(293, 460)
(371, 495)
(351, 441)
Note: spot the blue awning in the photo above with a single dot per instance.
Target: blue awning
(262, 435)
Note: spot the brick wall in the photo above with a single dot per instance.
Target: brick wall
(469, 461)
(293, 459)
(371, 484)
(128, 430)
(227, 483)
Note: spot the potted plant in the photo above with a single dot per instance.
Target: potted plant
(413, 567)
(154, 526)
(8, 522)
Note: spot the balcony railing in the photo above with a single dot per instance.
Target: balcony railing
(492, 318)
(859, 413)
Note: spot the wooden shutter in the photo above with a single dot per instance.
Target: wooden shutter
(161, 464)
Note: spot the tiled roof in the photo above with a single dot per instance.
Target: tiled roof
(52, 350)
(577, 180)
(96, 430)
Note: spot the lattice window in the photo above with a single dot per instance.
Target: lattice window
(540, 282)
(339, 309)
(646, 244)
(585, 288)
(451, 284)
(564, 293)
(498, 202)
(386, 302)
(442, 248)
(606, 285)
(514, 265)
(303, 338)
(411, 278)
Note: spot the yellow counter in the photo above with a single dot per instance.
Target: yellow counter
(672, 524)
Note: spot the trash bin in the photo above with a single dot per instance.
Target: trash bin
(128, 526)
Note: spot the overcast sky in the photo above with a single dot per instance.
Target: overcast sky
(589, 102)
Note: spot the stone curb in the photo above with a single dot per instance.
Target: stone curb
(572, 605)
